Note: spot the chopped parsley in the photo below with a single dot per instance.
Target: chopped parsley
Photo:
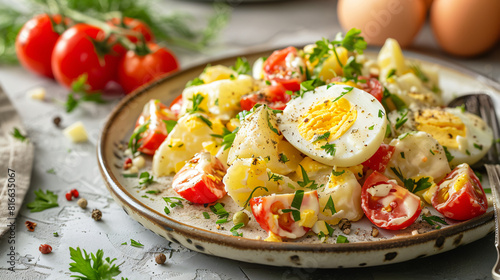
(80, 93)
(449, 157)
(133, 143)
(307, 183)
(145, 179)
(329, 148)
(251, 194)
(218, 209)
(18, 135)
(195, 82)
(135, 243)
(371, 127)
(391, 73)
(296, 203)
(241, 66)
(419, 73)
(330, 206)
(412, 185)
(153, 191)
(206, 215)
(273, 177)
(478, 146)
(401, 120)
(172, 202)
(348, 89)
(51, 171)
(309, 85)
(43, 201)
(234, 229)
(206, 121)
(92, 266)
(323, 136)
(342, 239)
(196, 99)
(170, 124)
(402, 155)
(283, 158)
(227, 137)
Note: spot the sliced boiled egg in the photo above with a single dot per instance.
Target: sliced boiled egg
(466, 136)
(335, 124)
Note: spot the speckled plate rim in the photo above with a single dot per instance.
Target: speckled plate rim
(144, 214)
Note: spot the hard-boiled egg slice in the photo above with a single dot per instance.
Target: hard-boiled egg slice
(466, 136)
(335, 124)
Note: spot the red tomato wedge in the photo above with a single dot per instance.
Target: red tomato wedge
(269, 213)
(273, 96)
(200, 180)
(388, 205)
(154, 116)
(281, 67)
(460, 195)
(378, 162)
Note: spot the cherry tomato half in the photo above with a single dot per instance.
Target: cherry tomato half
(35, 43)
(200, 180)
(378, 162)
(136, 70)
(285, 67)
(460, 195)
(273, 96)
(154, 113)
(84, 49)
(388, 205)
(268, 212)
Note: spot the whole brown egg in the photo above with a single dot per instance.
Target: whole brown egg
(382, 19)
(465, 27)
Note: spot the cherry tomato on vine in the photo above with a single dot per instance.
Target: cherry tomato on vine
(460, 195)
(134, 25)
(388, 205)
(35, 43)
(200, 180)
(143, 66)
(84, 49)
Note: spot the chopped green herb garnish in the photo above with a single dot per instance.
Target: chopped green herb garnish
(92, 266)
(329, 148)
(432, 152)
(129, 175)
(478, 146)
(433, 219)
(145, 179)
(51, 171)
(283, 158)
(172, 202)
(18, 135)
(402, 120)
(391, 73)
(170, 124)
(337, 173)
(251, 194)
(412, 185)
(297, 199)
(273, 177)
(348, 89)
(241, 66)
(330, 205)
(80, 92)
(449, 157)
(133, 143)
(135, 243)
(197, 99)
(56, 234)
(153, 191)
(402, 155)
(371, 127)
(221, 221)
(218, 209)
(295, 213)
(195, 82)
(381, 113)
(205, 120)
(43, 201)
(323, 136)
(342, 239)
(419, 73)
(206, 215)
(306, 183)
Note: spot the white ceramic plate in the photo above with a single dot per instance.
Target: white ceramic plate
(188, 227)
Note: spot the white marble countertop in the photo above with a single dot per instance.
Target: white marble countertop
(254, 26)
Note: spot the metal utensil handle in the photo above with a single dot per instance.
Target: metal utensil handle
(494, 177)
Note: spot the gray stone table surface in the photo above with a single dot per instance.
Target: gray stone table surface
(253, 26)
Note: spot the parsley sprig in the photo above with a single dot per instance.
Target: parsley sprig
(18, 135)
(241, 66)
(43, 201)
(80, 92)
(410, 184)
(94, 267)
(306, 182)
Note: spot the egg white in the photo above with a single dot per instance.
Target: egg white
(354, 146)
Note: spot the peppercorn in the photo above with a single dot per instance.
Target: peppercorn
(30, 225)
(240, 217)
(96, 214)
(82, 202)
(57, 121)
(160, 258)
(45, 249)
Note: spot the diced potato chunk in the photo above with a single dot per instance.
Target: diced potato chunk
(76, 132)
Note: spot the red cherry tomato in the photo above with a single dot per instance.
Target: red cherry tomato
(154, 114)
(136, 70)
(268, 212)
(45, 248)
(387, 205)
(200, 180)
(35, 42)
(372, 86)
(460, 195)
(84, 49)
(273, 96)
(176, 105)
(279, 68)
(378, 162)
(133, 24)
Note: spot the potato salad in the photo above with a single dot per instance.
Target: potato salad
(307, 139)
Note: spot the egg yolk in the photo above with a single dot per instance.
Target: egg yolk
(326, 116)
(442, 125)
